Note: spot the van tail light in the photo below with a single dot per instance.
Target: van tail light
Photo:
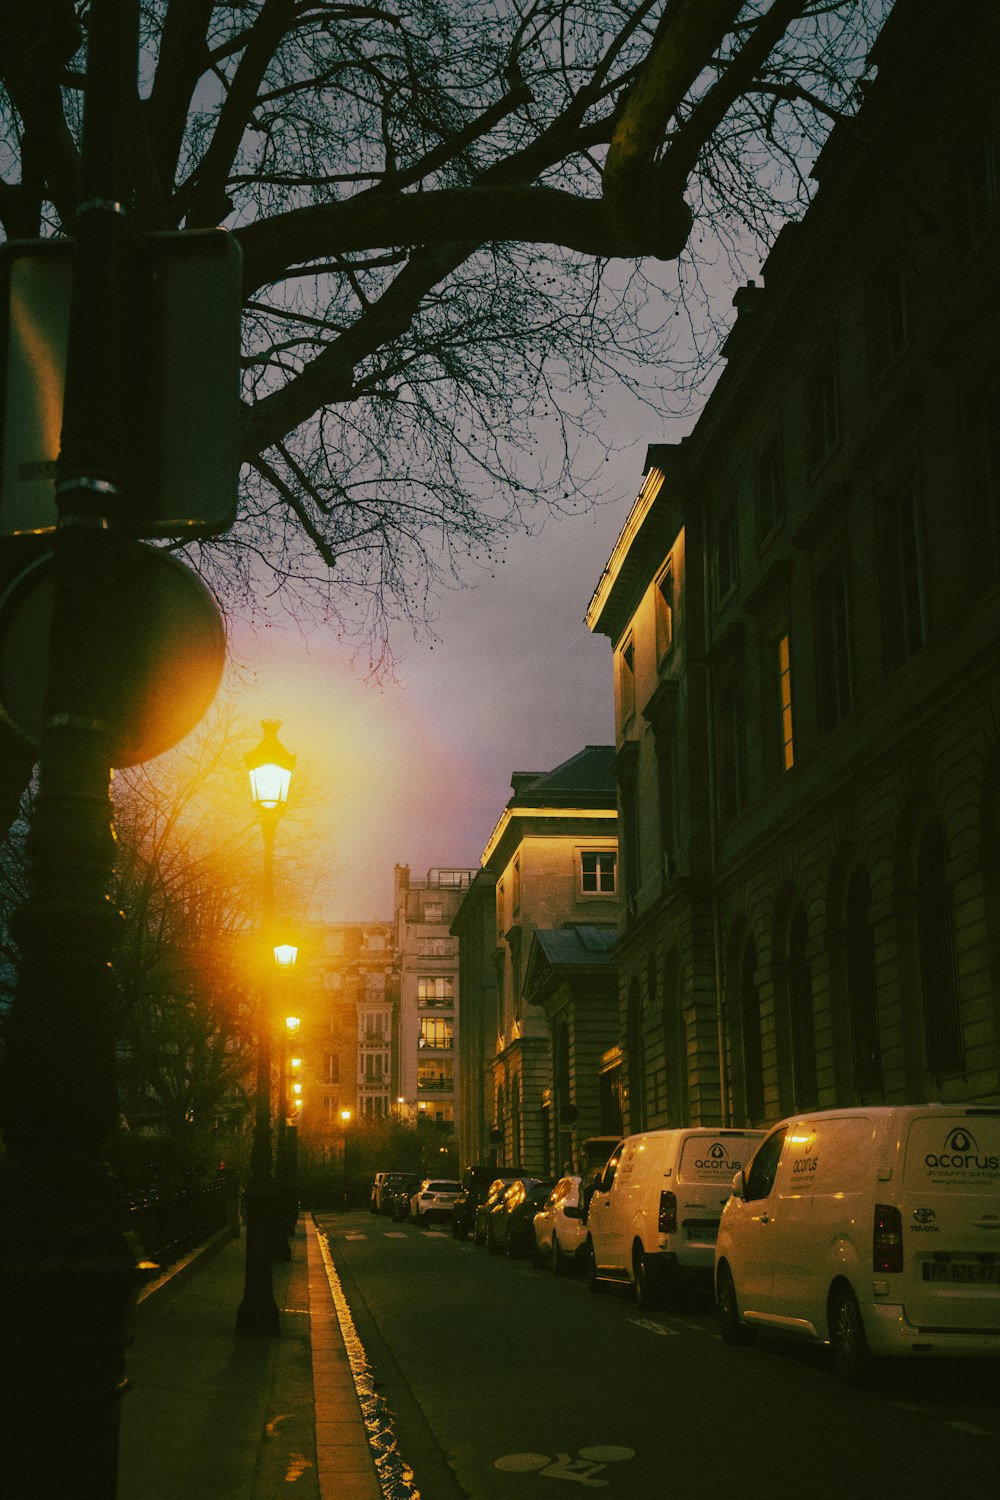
(668, 1213)
(887, 1239)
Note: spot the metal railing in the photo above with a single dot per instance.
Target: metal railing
(169, 1225)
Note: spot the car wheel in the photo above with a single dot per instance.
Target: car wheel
(557, 1260)
(642, 1280)
(594, 1282)
(851, 1358)
(727, 1309)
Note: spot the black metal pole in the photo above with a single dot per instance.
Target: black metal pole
(66, 1271)
(258, 1312)
(282, 1249)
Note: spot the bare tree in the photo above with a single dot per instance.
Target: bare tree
(459, 223)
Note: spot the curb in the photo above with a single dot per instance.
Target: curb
(153, 1290)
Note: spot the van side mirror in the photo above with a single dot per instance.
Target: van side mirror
(739, 1187)
(572, 1212)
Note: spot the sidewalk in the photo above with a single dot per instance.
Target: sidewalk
(215, 1415)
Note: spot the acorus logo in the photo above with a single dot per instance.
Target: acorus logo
(718, 1160)
(961, 1150)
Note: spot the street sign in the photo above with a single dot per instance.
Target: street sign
(182, 447)
(166, 668)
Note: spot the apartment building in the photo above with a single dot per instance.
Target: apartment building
(426, 1076)
(550, 866)
(804, 611)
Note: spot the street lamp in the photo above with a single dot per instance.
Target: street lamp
(285, 1165)
(270, 768)
(345, 1120)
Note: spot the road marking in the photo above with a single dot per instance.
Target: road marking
(653, 1327)
(394, 1234)
(351, 1235)
(968, 1427)
(583, 1469)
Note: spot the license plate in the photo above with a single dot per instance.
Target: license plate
(704, 1233)
(963, 1271)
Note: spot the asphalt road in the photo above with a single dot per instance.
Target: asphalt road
(500, 1378)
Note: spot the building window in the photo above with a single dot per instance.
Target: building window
(375, 941)
(433, 911)
(800, 1004)
(626, 680)
(515, 888)
(833, 644)
(435, 990)
(975, 177)
(732, 789)
(331, 1067)
(501, 912)
(901, 574)
(436, 1032)
(434, 1074)
(726, 549)
(822, 412)
(938, 959)
(769, 484)
(598, 872)
(982, 423)
(373, 1026)
(753, 1050)
(783, 670)
(862, 985)
(663, 602)
(887, 317)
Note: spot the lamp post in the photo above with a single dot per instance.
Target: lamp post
(345, 1120)
(270, 768)
(284, 1171)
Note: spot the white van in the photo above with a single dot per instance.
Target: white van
(876, 1231)
(653, 1216)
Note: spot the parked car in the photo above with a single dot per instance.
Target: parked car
(384, 1189)
(398, 1195)
(494, 1193)
(510, 1226)
(476, 1182)
(560, 1233)
(433, 1199)
(653, 1218)
(873, 1230)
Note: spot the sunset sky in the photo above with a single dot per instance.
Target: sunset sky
(418, 771)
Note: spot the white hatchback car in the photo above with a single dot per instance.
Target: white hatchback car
(434, 1199)
(560, 1233)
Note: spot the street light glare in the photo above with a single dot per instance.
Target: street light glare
(285, 955)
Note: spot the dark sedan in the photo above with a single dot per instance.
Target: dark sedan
(510, 1226)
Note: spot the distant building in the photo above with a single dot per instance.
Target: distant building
(349, 1037)
(551, 863)
(804, 608)
(426, 1078)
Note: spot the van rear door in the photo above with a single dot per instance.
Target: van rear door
(951, 1219)
(708, 1162)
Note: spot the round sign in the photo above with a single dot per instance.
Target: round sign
(172, 653)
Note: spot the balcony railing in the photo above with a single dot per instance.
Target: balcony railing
(435, 1085)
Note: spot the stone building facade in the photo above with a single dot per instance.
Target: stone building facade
(804, 609)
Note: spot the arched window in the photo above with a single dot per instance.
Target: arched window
(862, 987)
(938, 961)
(753, 1054)
(800, 1007)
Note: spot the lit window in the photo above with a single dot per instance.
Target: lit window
(664, 605)
(785, 695)
(435, 990)
(598, 872)
(436, 1032)
(626, 678)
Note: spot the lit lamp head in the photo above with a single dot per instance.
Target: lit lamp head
(292, 1024)
(345, 1115)
(285, 955)
(270, 768)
